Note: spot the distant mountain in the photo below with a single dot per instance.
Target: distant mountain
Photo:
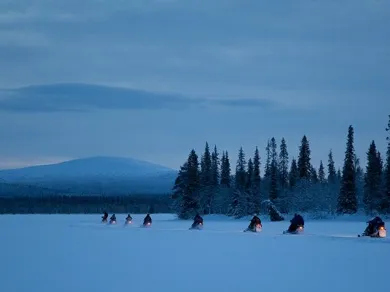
(110, 175)
(11, 190)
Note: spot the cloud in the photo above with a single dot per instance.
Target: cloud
(88, 97)
(301, 45)
(307, 66)
(246, 102)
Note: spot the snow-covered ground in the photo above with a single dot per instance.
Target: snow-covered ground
(71, 253)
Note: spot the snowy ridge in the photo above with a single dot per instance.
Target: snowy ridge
(94, 175)
(100, 166)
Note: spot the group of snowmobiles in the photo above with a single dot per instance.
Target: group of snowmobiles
(296, 226)
(128, 220)
(375, 227)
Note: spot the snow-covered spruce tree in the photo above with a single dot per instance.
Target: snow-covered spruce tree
(206, 178)
(179, 188)
(215, 165)
(274, 213)
(273, 190)
(274, 175)
(249, 176)
(302, 197)
(313, 175)
(267, 168)
(386, 199)
(332, 175)
(293, 177)
(294, 174)
(372, 181)
(315, 193)
(321, 173)
(347, 200)
(240, 197)
(225, 170)
(256, 181)
(283, 164)
(215, 177)
(304, 164)
(283, 176)
(359, 178)
(187, 188)
(332, 187)
(249, 187)
(320, 193)
(265, 180)
(225, 190)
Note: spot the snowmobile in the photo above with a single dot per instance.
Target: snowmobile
(197, 226)
(147, 221)
(255, 228)
(104, 217)
(255, 224)
(146, 224)
(129, 220)
(375, 231)
(382, 232)
(298, 230)
(113, 219)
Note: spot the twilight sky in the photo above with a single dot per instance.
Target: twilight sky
(150, 79)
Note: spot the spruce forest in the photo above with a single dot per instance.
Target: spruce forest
(205, 183)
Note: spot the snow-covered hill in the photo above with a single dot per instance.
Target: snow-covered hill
(96, 174)
(114, 167)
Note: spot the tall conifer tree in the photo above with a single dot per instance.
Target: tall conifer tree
(283, 164)
(386, 198)
(321, 173)
(225, 170)
(304, 165)
(347, 201)
(332, 175)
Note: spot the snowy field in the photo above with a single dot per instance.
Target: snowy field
(71, 253)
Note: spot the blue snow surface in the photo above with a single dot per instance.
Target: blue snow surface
(71, 253)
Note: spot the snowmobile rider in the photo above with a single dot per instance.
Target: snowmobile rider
(113, 218)
(295, 222)
(255, 220)
(197, 220)
(147, 219)
(104, 217)
(129, 218)
(373, 226)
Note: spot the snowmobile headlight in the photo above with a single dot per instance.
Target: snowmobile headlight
(381, 228)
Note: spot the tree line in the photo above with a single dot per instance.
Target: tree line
(81, 204)
(206, 184)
